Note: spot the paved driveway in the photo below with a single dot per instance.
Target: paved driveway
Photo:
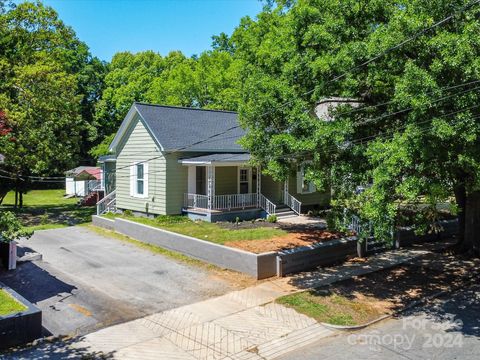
(87, 281)
(447, 329)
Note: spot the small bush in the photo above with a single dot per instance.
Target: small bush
(272, 218)
(44, 218)
(128, 213)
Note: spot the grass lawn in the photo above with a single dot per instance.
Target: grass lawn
(47, 209)
(332, 308)
(207, 231)
(8, 305)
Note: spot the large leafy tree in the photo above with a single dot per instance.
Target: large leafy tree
(48, 86)
(210, 80)
(415, 139)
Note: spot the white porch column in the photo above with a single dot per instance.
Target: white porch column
(211, 186)
(259, 185)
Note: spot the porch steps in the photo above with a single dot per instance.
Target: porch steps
(284, 212)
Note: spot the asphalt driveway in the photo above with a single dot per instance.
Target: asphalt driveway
(87, 281)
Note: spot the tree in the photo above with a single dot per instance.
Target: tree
(415, 139)
(31, 34)
(45, 123)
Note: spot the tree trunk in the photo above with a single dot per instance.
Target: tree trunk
(21, 200)
(472, 223)
(461, 199)
(16, 195)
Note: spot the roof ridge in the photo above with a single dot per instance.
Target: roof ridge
(184, 107)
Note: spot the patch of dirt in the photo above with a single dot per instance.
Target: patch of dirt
(293, 239)
(405, 284)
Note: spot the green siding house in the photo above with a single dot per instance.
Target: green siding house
(172, 160)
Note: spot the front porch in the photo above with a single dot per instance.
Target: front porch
(224, 187)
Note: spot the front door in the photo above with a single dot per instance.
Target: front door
(201, 177)
(244, 181)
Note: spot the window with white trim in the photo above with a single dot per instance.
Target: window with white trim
(139, 179)
(304, 186)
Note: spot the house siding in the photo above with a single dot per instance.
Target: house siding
(138, 145)
(271, 189)
(176, 183)
(321, 199)
(226, 180)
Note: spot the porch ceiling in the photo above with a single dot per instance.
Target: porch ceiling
(217, 159)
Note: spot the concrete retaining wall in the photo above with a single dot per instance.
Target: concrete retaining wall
(20, 328)
(103, 222)
(264, 265)
(260, 266)
(321, 254)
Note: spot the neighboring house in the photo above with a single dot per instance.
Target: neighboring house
(83, 180)
(174, 160)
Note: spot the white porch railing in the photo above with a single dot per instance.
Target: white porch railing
(107, 204)
(195, 201)
(235, 201)
(293, 203)
(227, 202)
(267, 205)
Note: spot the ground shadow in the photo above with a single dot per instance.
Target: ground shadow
(459, 310)
(409, 285)
(34, 283)
(55, 350)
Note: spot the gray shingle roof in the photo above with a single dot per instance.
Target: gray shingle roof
(177, 128)
(212, 158)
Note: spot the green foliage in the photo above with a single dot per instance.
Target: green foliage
(414, 160)
(272, 218)
(49, 83)
(103, 147)
(208, 81)
(10, 227)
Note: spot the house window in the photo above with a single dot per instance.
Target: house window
(139, 179)
(243, 181)
(303, 185)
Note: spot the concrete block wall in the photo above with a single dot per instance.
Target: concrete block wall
(260, 266)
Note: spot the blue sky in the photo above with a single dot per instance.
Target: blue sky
(109, 26)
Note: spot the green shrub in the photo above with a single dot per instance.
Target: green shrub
(127, 213)
(272, 218)
(11, 229)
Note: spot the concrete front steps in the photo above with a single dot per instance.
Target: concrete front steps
(284, 212)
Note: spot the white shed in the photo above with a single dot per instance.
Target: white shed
(82, 180)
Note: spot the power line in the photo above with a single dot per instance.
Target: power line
(397, 46)
(408, 96)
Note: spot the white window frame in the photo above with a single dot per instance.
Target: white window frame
(249, 178)
(301, 181)
(134, 179)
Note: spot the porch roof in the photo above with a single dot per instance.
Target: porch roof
(217, 159)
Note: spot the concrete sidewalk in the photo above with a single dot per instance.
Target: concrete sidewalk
(241, 325)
